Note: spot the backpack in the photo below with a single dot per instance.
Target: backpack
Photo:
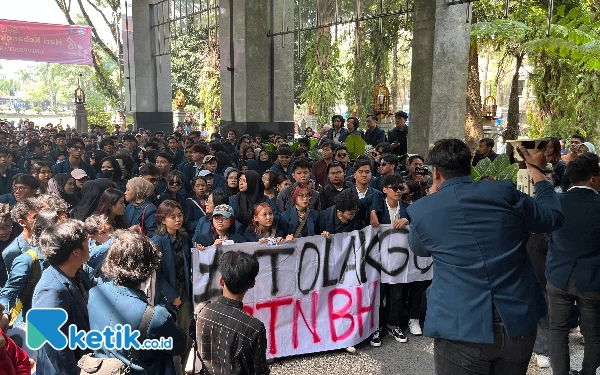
(27, 292)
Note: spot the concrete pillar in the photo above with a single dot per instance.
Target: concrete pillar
(257, 72)
(147, 76)
(81, 119)
(438, 87)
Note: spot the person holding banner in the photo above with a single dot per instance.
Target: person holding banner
(299, 220)
(394, 212)
(485, 301)
(222, 229)
(342, 216)
(263, 228)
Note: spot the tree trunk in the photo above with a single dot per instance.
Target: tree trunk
(484, 90)
(474, 121)
(394, 85)
(512, 127)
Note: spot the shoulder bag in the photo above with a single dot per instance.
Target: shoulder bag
(91, 365)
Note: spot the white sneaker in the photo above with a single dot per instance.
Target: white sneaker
(351, 350)
(415, 327)
(542, 361)
(575, 330)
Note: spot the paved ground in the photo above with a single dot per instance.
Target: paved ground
(392, 358)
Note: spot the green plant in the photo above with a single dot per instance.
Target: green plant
(355, 145)
(500, 169)
(37, 110)
(99, 117)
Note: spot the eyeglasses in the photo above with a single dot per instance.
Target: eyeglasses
(175, 183)
(305, 196)
(153, 180)
(219, 219)
(396, 188)
(341, 155)
(383, 164)
(20, 188)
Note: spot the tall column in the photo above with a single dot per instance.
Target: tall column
(438, 86)
(147, 76)
(81, 118)
(257, 72)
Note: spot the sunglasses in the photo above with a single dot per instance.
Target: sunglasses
(383, 164)
(396, 188)
(175, 183)
(341, 155)
(153, 180)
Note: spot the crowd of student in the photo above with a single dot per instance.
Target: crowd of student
(178, 192)
(103, 226)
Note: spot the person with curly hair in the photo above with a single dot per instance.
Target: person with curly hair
(131, 261)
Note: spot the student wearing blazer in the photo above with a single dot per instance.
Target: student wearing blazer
(173, 281)
(573, 267)
(140, 213)
(299, 215)
(485, 301)
(122, 301)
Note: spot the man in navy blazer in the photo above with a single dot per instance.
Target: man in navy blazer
(484, 302)
(64, 285)
(573, 267)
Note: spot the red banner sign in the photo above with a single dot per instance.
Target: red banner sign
(31, 41)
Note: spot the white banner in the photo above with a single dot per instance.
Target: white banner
(316, 294)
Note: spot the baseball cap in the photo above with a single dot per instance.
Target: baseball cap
(204, 173)
(78, 174)
(224, 210)
(208, 159)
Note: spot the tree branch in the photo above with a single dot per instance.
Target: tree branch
(97, 39)
(109, 24)
(106, 83)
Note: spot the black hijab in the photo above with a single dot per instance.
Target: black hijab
(61, 180)
(223, 161)
(245, 200)
(263, 165)
(90, 196)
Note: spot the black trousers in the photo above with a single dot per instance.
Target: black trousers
(505, 356)
(560, 306)
(395, 295)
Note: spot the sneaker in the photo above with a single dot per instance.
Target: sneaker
(375, 340)
(415, 327)
(575, 330)
(542, 361)
(398, 335)
(352, 349)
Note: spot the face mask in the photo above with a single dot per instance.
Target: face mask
(107, 173)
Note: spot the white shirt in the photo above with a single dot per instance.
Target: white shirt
(394, 211)
(360, 194)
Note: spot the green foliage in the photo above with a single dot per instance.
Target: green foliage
(500, 168)
(37, 110)
(323, 77)
(566, 76)
(100, 117)
(186, 63)
(356, 145)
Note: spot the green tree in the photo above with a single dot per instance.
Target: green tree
(566, 76)
(106, 56)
